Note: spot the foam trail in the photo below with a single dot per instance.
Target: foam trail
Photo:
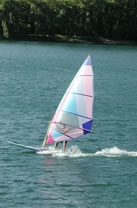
(115, 152)
(74, 151)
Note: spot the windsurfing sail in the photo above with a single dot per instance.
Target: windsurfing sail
(74, 115)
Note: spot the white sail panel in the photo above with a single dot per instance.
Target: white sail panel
(83, 85)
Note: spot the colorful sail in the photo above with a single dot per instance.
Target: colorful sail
(74, 115)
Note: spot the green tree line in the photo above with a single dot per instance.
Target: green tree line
(112, 19)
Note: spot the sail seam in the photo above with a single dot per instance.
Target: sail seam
(64, 134)
(84, 75)
(76, 114)
(81, 94)
(83, 129)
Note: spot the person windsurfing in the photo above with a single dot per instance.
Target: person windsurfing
(63, 129)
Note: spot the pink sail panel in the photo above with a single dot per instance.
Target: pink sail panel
(74, 115)
(70, 135)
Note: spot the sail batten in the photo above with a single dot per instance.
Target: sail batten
(65, 134)
(82, 94)
(69, 125)
(84, 75)
(74, 115)
(77, 115)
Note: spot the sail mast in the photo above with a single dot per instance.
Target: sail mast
(45, 139)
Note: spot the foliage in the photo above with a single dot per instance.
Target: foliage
(113, 19)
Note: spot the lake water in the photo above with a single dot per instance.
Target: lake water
(98, 170)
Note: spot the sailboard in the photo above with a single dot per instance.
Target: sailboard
(26, 147)
(73, 117)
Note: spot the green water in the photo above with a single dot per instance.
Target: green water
(97, 171)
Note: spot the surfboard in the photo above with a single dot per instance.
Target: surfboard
(27, 147)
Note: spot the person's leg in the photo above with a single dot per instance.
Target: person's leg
(64, 145)
(56, 144)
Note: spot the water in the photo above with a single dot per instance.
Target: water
(98, 171)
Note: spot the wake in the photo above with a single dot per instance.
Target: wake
(74, 151)
(115, 152)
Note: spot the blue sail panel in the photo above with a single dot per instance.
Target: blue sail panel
(56, 134)
(87, 61)
(88, 126)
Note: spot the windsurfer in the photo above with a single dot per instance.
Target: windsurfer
(64, 145)
(64, 130)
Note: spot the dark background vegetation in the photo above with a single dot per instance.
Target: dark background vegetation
(88, 19)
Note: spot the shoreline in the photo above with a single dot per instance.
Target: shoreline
(70, 39)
